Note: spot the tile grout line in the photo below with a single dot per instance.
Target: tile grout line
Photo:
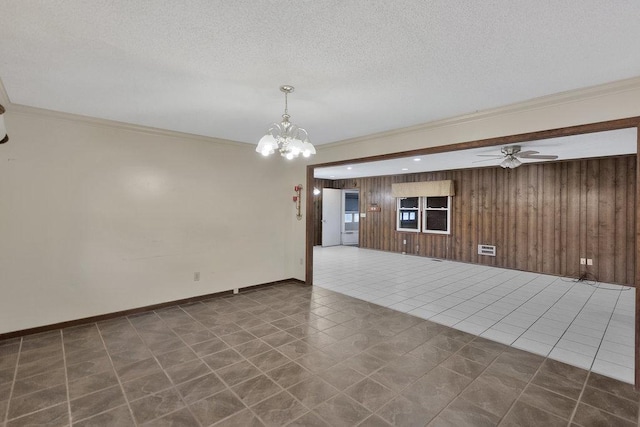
(13, 383)
(459, 395)
(605, 331)
(483, 371)
(66, 376)
(573, 320)
(104, 344)
(584, 386)
(514, 310)
(33, 392)
(527, 386)
(540, 317)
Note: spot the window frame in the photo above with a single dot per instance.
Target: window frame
(400, 210)
(425, 208)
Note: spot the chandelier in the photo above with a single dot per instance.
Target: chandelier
(285, 137)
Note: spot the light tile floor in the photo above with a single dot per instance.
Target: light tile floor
(585, 324)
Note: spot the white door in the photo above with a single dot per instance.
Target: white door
(331, 216)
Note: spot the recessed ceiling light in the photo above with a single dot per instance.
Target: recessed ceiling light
(349, 168)
(332, 176)
(417, 159)
(405, 169)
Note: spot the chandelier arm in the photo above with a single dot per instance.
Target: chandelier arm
(275, 129)
(306, 134)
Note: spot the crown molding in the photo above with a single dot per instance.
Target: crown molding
(560, 98)
(104, 123)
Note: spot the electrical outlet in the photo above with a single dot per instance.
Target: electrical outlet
(583, 261)
(196, 276)
(589, 261)
(404, 242)
(301, 261)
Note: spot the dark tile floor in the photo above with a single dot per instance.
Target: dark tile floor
(292, 355)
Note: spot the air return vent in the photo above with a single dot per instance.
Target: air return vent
(486, 250)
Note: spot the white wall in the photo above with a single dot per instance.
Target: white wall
(97, 218)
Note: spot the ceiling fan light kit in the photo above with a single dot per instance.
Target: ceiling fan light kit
(510, 163)
(285, 137)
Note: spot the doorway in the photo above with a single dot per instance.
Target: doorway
(340, 217)
(350, 217)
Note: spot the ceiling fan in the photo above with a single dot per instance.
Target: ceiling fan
(512, 154)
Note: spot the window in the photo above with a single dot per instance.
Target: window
(436, 216)
(408, 214)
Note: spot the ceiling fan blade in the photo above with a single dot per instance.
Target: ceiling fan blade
(487, 160)
(526, 153)
(495, 156)
(539, 157)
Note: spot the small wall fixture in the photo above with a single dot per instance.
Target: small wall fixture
(285, 137)
(3, 130)
(297, 199)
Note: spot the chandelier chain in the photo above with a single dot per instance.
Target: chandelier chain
(286, 104)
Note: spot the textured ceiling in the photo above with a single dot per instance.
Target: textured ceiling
(359, 67)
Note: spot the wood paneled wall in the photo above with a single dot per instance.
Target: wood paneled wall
(541, 217)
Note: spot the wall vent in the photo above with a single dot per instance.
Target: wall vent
(486, 250)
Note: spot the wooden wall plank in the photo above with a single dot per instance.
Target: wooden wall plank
(605, 255)
(636, 255)
(620, 221)
(592, 216)
(582, 200)
(521, 221)
(562, 213)
(548, 223)
(532, 186)
(511, 193)
(632, 212)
